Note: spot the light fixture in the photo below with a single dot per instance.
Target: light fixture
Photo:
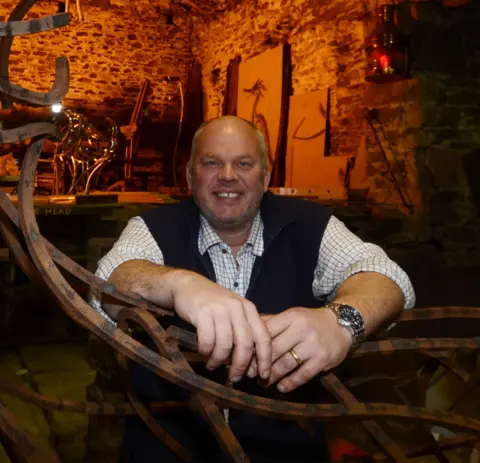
(56, 107)
(387, 49)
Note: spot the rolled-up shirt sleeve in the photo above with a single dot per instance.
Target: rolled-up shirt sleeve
(343, 254)
(135, 242)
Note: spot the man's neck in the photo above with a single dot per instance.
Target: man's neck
(235, 239)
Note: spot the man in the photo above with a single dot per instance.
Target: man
(255, 275)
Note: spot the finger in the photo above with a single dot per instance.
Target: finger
(278, 323)
(300, 376)
(252, 368)
(223, 339)
(261, 338)
(286, 364)
(206, 335)
(284, 342)
(243, 340)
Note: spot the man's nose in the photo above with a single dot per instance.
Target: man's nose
(227, 173)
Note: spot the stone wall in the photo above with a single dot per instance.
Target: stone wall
(326, 42)
(447, 48)
(110, 53)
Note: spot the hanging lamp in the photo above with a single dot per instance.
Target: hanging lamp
(387, 49)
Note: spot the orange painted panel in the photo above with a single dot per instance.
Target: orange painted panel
(260, 94)
(306, 165)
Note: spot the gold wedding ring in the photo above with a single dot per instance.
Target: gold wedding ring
(299, 361)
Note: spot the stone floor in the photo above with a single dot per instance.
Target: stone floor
(59, 370)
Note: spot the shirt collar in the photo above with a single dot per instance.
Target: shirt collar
(207, 236)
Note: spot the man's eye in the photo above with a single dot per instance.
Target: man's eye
(245, 164)
(210, 163)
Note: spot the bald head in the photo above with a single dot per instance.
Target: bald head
(227, 173)
(225, 125)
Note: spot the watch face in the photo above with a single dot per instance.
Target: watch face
(351, 317)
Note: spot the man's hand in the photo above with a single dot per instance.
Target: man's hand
(315, 337)
(224, 321)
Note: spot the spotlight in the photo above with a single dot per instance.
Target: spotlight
(56, 108)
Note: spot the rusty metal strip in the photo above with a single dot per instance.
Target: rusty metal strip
(25, 444)
(419, 344)
(20, 10)
(189, 340)
(209, 411)
(342, 394)
(435, 313)
(75, 269)
(122, 322)
(33, 26)
(21, 392)
(423, 450)
(450, 364)
(21, 257)
(54, 95)
(28, 131)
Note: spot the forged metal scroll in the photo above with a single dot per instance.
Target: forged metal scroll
(86, 316)
(6, 42)
(16, 28)
(170, 362)
(54, 95)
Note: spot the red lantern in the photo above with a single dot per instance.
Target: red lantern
(387, 49)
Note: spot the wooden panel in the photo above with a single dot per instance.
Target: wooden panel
(230, 99)
(260, 85)
(307, 165)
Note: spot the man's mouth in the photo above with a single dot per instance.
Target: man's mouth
(227, 195)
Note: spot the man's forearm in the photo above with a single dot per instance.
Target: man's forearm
(377, 297)
(153, 282)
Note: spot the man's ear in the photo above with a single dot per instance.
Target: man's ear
(266, 180)
(188, 175)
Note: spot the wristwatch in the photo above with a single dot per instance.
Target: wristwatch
(351, 319)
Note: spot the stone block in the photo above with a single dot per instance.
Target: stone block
(464, 97)
(445, 136)
(433, 89)
(445, 207)
(438, 48)
(445, 167)
(392, 93)
(459, 233)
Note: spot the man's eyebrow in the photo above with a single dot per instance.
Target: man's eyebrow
(205, 155)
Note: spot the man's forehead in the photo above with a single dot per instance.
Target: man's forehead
(228, 125)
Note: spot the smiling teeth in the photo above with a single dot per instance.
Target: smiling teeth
(228, 195)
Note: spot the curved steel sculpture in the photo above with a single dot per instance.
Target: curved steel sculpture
(170, 362)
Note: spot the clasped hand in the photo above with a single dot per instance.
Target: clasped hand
(228, 324)
(225, 322)
(318, 343)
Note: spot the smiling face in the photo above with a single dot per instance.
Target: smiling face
(227, 176)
